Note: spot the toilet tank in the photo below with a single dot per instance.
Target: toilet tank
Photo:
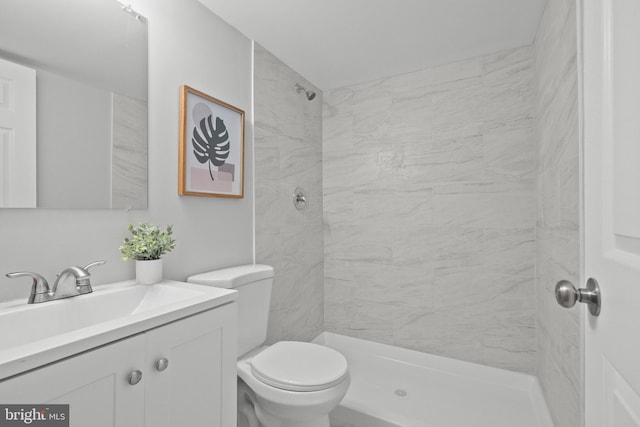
(253, 283)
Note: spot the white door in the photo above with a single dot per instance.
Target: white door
(611, 120)
(192, 377)
(94, 384)
(17, 136)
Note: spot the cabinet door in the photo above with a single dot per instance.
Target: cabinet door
(198, 387)
(94, 384)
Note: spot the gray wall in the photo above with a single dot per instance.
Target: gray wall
(429, 210)
(557, 195)
(186, 44)
(73, 126)
(288, 153)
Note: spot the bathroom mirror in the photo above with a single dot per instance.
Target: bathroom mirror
(89, 59)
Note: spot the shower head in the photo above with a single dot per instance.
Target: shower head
(309, 93)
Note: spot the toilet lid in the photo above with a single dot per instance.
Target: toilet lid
(299, 366)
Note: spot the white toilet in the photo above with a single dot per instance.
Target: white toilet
(287, 384)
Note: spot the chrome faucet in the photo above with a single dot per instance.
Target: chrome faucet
(42, 292)
(70, 288)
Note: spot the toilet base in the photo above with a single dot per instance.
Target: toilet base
(275, 407)
(268, 420)
(246, 410)
(249, 415)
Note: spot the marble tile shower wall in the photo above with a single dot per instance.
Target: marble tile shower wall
(288, 154)
(429, 221)
(558, 212)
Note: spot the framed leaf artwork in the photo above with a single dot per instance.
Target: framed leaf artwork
(211, 158)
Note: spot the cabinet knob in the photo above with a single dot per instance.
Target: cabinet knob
(135, 377)
(162, 364)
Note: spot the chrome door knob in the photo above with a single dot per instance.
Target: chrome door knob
(162, 364)
(135, 377)
(567, 295)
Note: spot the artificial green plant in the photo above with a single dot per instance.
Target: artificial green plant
(148, 242)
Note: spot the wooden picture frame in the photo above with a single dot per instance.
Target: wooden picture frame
(211, 156)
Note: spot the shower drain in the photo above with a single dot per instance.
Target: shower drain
(400, 392)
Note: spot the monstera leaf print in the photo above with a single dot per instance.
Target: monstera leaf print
(211, 144)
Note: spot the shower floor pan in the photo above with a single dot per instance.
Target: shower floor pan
(395, 387)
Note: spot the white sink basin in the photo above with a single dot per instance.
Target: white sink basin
(36, 334)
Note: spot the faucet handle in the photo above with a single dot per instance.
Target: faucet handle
(84, 283)
(39, 289)
(93, 264)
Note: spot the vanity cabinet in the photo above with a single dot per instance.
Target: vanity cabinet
(198, 387)
(188, 377)
(92, 383)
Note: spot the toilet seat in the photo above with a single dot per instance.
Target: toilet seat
(299, 366)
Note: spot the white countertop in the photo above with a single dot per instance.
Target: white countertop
(38, 334)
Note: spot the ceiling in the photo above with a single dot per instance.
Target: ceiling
(334, 43)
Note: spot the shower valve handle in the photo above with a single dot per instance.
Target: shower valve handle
(299, 199)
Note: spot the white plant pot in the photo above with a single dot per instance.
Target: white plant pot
(148, 272)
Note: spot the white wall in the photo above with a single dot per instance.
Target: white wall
(187, 45)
